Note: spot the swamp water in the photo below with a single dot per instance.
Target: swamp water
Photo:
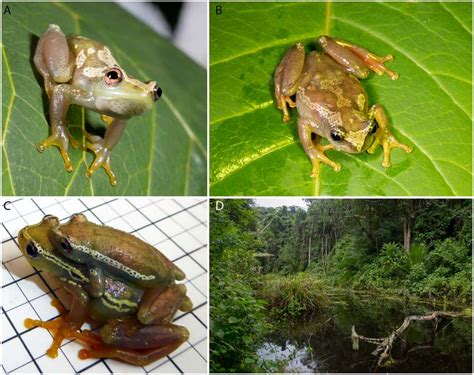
(322, 342)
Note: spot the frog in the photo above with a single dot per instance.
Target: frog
(78, 70)
(332, 103)
(104, 251)
(136, 320)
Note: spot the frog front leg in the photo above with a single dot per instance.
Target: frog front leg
(66, 325)
(384, 136)
(286, 78)
(102, 148)
(355, 59)
(62, 97)
(314, 149)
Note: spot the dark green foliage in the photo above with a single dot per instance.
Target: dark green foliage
(237, 321)
(408, 246)
(449, 270)
(386, 271)
(237, 316)
(347, 260)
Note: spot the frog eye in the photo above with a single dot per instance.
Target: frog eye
(336, 135)
(32, 250)
(66, 245)
(374, 128)
(113, 77)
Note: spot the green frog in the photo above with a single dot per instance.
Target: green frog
(136, 316)
(332, 103)
(78, 70)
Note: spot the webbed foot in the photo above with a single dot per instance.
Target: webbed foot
(59, 328)
(388, 141)
(101, 160)
(384, 136)
(61, 138)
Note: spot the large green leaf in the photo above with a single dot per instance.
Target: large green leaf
(162, 152)
(429, 106)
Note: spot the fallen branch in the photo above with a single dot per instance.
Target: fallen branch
(385, 344)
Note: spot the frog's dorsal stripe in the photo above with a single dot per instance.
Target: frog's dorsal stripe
(120, 305)
(113, 263)
(73, 271)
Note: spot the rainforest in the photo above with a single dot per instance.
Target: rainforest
(343, 285)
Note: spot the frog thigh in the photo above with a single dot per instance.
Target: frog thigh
(53, 55)
(289, 71)
(159, 306)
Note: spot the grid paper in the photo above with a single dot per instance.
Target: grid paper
(178, 227)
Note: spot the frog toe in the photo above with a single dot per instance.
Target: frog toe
(389, 143)
(101, 160)
(61, 144)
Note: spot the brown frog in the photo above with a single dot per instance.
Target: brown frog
(332, 103)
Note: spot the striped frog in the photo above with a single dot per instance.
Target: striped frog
(126, 284)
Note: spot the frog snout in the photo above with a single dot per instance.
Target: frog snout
(157, 92)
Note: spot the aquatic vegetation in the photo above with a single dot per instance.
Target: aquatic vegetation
(293, 295)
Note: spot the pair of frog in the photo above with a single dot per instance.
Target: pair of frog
(330, 100)
(116, 279)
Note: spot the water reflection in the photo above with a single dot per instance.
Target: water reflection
(322, 342)
(286, 358)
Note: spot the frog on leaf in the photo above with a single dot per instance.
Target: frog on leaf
(78, 70)
(332, 103)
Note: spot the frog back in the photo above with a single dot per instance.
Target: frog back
(338, 89)
(117, 253)
(79, 43)
(330, 97)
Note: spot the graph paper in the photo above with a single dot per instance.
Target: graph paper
(178, 227)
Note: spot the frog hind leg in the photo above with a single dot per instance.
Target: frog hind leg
(101, 147)
(315, 150)
(355, 59)
(130, 341)
(286, 78)
(134, 357)
(160, 305)
(384, 136)
(54, 61)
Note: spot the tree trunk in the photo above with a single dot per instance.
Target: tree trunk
(406, 235)
(309, 251)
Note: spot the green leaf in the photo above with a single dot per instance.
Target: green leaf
(162, 152)
(429, 107)
(233, 319)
